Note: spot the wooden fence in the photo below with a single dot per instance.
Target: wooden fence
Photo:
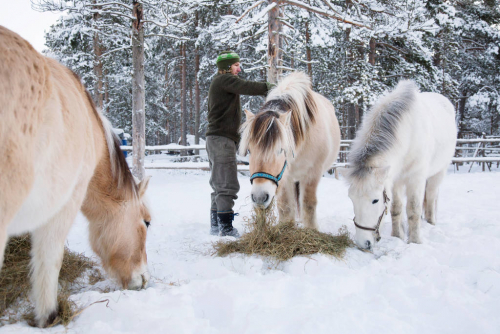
(482, 151)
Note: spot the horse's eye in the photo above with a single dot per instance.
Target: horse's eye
(375, 201)
(147, 223)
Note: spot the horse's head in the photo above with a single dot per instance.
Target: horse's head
(128, 261)
(118, 232)
(266, 137)
(368, 194)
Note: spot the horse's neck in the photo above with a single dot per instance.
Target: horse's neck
(103, 196)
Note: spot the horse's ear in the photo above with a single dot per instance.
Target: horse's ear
(249, 115)
(381, 173)
(143, 185)
(286, 117)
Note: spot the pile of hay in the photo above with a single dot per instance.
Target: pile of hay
(283, 240)
(15, 283)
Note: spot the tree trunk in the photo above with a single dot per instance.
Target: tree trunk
(461, 113)
(106, 92)
(273, 51)
(196, 95)
(138, 95)
(167, 102)
(372, 54)
(98, 86)
(191, 112)
(183, 96)
(350, 107)
(308, 51)
(351, 112)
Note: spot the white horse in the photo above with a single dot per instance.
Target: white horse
(406, 142)
(59, 155)
(293, 140)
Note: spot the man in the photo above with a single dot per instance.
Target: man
(224, 119)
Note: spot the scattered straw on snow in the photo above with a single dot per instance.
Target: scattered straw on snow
(282, 241)
(15, 283)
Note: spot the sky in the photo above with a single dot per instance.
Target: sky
(18, 16)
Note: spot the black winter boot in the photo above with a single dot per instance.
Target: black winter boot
(214, 225)
(226, 224)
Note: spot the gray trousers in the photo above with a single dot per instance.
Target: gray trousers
(224, 174)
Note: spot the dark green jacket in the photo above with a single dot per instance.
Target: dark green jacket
(224, 109)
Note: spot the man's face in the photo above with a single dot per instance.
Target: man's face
(235, 68)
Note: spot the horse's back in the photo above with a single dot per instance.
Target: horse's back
(438, 103)
(44, 133)
(438, 132)
(439, 115)
(23, 87)
(323, 145)
(329, 120)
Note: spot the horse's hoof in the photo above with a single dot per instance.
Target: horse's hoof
(414, 240)
(399, 235)
(431, 222)
(46, 322)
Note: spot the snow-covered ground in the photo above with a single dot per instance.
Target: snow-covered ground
(448, 284)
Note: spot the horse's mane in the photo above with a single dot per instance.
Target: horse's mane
(267, 132)
(377, 134)
(122, 177)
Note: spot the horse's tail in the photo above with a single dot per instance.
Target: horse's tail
(296, 91)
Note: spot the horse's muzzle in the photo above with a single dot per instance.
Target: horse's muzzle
(260, 199)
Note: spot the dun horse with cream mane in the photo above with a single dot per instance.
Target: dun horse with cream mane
(292, 140)
(59, 155)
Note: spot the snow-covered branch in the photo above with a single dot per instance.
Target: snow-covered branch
(259, 32)
(169, 36)
(115, 50)
(249, 9)
(324, 13)
(109, 13)
(264, 12)
(109, 4)
(392, 47)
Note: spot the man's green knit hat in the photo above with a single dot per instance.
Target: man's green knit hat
(226, 59)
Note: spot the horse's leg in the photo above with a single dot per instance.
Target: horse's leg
(309, 202)
(415, 196)
(17, 176)
(15, 188)
(47, 252)
(431, 195)
(397, 211)
(3, 243)
(286, 200)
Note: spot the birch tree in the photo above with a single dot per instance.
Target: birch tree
(136, 16)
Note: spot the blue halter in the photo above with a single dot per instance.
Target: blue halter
(262, 175)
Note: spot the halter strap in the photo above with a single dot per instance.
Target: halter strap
(263, 175)
(375, 229)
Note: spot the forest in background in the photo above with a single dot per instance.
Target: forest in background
(354, 51)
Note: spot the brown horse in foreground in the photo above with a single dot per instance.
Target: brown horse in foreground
(58, 155)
